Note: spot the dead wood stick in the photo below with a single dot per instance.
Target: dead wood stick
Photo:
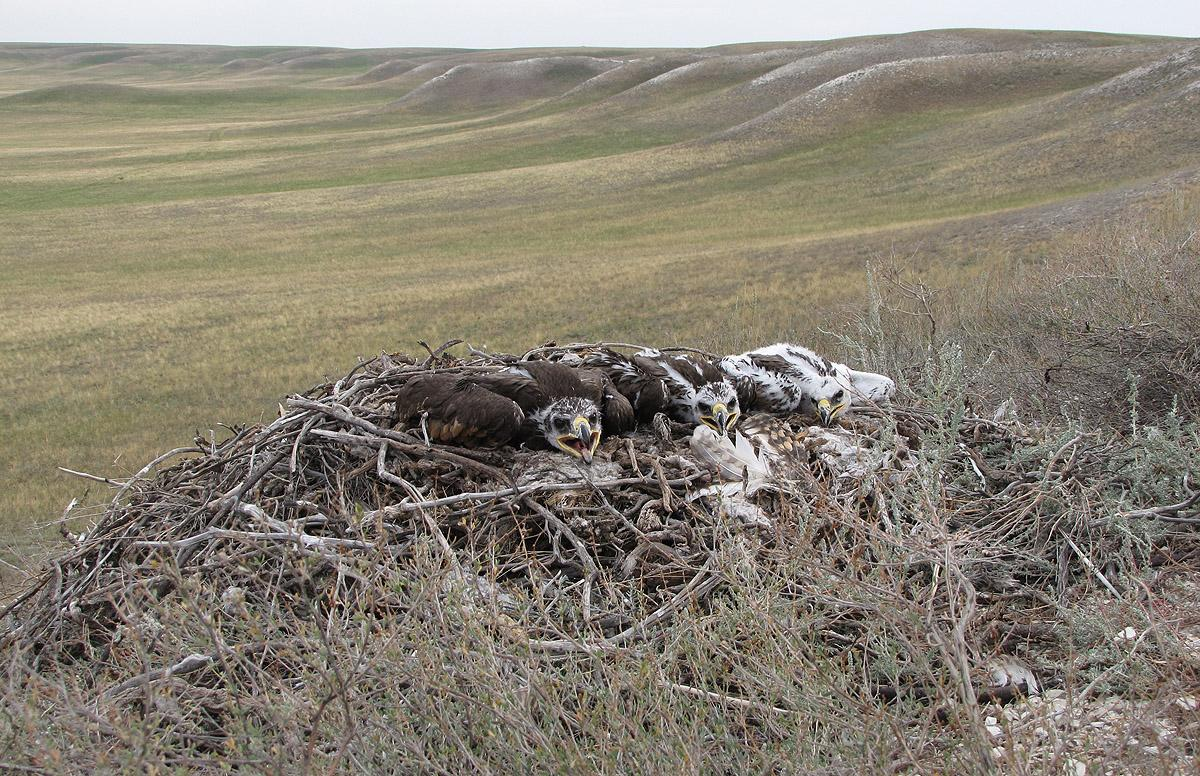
(629, 448)
(1168, 512)
(591, 570)
(567, 646)
(387, 476)
(189, 664)
(289, 537)
(617, 513)
(1058, 454)
(18, 768)
(662, 483)
(399, 441)
(1192, 518)
(728, 700)
(145, 469)
(92, 477)
(1087, 562)
(293, 461)
(532, 490)
(699, 586)
(433, 354)
(231, 497)
(434, 530)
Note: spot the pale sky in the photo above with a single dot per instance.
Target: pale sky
(520, 23)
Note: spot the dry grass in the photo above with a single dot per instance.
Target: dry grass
(1103, 329)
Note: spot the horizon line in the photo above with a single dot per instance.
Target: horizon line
(588, 45)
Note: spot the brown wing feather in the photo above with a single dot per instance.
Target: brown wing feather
(647, 395)
(557, 380)
(650, 367)
(772, 363)
(617, 412)
(749, 398)
(525, 392)
(706, 370)
(461, 412)
(547, 381)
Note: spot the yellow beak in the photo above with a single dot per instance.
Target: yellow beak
(828, 410)
(720, 420)
(584, 441)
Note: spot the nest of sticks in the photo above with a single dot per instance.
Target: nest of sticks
(327, 508)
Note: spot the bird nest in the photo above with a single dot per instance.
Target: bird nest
(328, 511)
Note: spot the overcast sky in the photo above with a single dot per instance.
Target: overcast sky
(518, 23)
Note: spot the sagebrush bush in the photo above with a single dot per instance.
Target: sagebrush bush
(1106, 326)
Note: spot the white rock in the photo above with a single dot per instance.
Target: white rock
(1129, 634)
(1188, 702)
(1074, 767)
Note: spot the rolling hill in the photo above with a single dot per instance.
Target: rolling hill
(188, 232)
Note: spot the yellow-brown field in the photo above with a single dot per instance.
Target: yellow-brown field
(188, 233)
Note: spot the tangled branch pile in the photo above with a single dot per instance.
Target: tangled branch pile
(327, 589)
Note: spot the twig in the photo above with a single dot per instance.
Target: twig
(1087, 562)
(146, 469)
(589, 566)
(699, 586)
(433, 354)
(290, 537)
(189, 664)
(18, 768)
(1169, 512)
(399, 441)
(728, 700)
(532, 490)
(92, 477)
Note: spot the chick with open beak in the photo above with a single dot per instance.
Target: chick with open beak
(572, 425)
(583, 441)
(716, 406)
(720, 418)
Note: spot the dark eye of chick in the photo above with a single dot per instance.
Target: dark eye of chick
(705, 406)
(837, 395)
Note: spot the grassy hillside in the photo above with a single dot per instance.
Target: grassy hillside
(187, 233)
